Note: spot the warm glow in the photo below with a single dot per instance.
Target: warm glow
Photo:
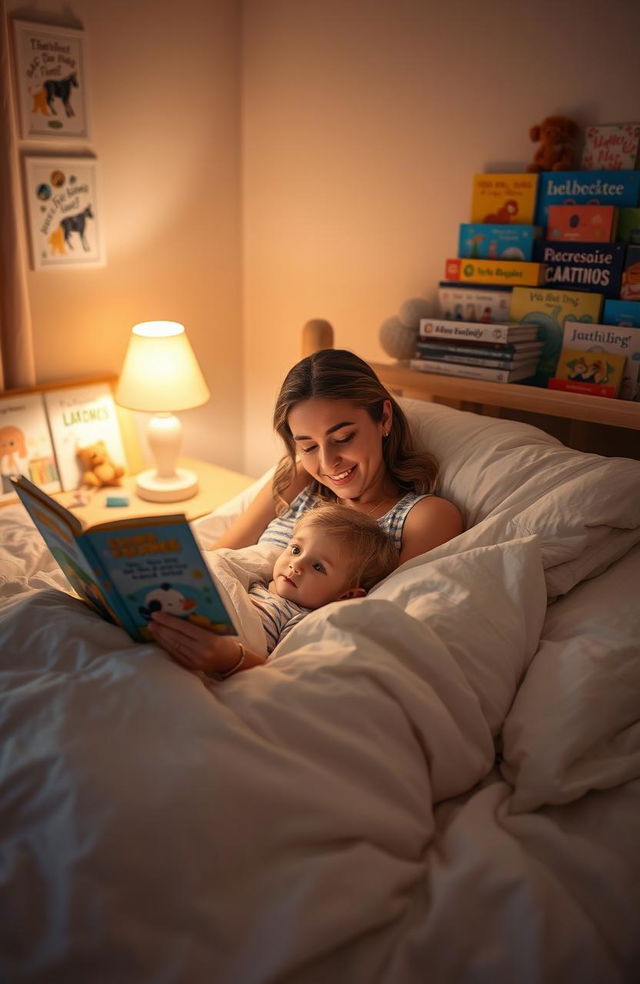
(160, 371)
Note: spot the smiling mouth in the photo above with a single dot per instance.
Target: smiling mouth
(288, 580)
(341, 476)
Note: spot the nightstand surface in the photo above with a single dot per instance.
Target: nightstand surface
(216, 486)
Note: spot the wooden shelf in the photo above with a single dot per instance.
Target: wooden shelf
(531, 399)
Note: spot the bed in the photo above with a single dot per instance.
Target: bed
(439, 781)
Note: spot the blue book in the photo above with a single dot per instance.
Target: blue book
(129, 568)
(478, 240)
(623, 313)
(621, 188)
(582, 266)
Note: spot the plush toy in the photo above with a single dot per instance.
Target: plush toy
(97, 467)
(557, 136)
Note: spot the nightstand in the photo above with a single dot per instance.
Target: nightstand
(216, 486)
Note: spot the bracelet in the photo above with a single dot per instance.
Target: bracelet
(223, 674)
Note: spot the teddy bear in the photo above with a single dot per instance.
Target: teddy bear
(97, 467)
(557, 136)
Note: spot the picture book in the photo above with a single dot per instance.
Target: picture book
(496, 242)
(549, 309)
(628, 230)
(582, 266)
(630, 281)
(472, 330)
(507, 272)
(504, 198)
(129, 568)
(465, 302)
(612, 340)
(583, 223)
(619, 188)
(469, 358)
(611, 146)
(78, 416)
(25, 444)
(524, 371)
(595, 373)
(616, 312)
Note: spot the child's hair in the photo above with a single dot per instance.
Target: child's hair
(370, 554)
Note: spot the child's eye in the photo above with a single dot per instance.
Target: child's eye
(295, 549)
(319, 568)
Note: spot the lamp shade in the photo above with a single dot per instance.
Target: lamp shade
(160, 372)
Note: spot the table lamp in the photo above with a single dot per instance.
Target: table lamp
(161, 375)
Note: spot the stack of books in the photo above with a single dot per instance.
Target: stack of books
(501, 353)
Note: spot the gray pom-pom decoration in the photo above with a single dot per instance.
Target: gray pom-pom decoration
(412, 310)
(397, 339)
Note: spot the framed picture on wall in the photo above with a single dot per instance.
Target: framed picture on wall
(64, 210)
(51, 81)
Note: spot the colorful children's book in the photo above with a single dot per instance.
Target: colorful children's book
(611, 146)
(507, 272)
(431, 328)
(582, 266)
(612, 340)
(467, 302)
(630, 284)
(504, 198)
(496, 242)
(594, 373)
(619, 188)
(78, 416)
(523, 371)
(25, 444)
(582, 223)
(628, 230)
(129, 568)
(625, 313)
(549, 309)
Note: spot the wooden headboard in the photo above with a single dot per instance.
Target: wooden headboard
(587, 423)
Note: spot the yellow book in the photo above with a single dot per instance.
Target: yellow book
(549, 310)
(504, 198)
(506, 272)
(593, 373)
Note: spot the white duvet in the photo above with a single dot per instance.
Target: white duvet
(338, 814)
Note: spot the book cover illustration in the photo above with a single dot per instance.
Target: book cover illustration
(504, 198)
(582, 266)
(628, 230)
(431, 328)
(462, 302)
(596, 373)
(611, 146)
(25, 444)
(618, 188)
(127, 569)
(549, 310)
(630, 285)
(507, 272)
(612, 340)
(496, 242)
(616, 312)
(78, 416)
(582, 223)
(524, 371)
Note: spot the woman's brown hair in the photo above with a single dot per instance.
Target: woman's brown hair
(337, 374)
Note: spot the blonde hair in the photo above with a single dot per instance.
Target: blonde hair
(337, 374)
(370, 553)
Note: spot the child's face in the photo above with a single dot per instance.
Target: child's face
(311, 571)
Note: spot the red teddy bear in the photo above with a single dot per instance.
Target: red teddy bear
(557, 136)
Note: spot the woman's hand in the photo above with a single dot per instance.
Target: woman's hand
(198, 649)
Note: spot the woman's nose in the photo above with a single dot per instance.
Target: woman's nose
(329, 460)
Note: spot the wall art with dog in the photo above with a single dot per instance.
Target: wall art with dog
(51, 84)
(64, 212)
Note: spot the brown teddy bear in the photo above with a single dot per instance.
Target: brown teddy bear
(97, 467)
(557, 136)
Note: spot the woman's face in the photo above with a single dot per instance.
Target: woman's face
(340, 445)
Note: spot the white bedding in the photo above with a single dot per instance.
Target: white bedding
(338, 814)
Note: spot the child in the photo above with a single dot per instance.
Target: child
(335, 553)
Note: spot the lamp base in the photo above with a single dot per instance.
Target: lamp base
(158, 488)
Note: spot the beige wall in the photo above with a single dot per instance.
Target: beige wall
(165, 111)
(364, 121)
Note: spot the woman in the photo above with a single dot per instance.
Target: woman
(347, 441)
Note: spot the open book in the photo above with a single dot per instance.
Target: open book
(129, 568)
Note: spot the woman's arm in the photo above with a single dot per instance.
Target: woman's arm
(251, 524)
(432, 521)
(200, 650)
